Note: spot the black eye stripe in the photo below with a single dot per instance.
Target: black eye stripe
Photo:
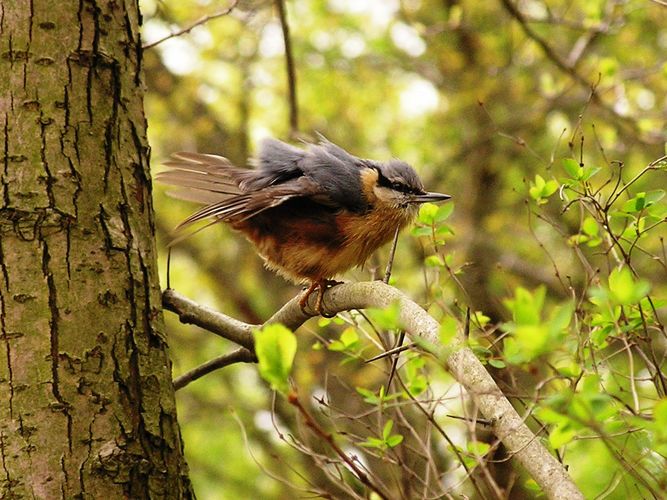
(382, 180)
(399, 186)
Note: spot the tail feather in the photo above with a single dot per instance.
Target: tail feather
(231, 194)
(197, 196)
(182, 178)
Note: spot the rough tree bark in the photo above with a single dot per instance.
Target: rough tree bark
(87, 401)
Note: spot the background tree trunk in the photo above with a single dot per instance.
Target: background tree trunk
(87, 400)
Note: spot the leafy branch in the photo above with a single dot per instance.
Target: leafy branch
(424, 330)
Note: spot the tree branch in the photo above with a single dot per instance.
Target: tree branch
(291, 72)
(191, 313)
(198, 22)
(462, 363)
(569, 69)
(241, 355)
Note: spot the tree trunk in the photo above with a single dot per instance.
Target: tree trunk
(88, 405)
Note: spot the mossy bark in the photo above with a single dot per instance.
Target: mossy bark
(85, 380)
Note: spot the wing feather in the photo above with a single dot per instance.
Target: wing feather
(247, 205)
(232, 194)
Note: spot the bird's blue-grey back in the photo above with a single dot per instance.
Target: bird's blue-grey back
(329, 166)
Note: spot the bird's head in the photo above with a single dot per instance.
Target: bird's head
(396, 184)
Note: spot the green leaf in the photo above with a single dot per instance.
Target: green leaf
(654, 196)
(479, 318)
(444, 211)
(442, 231)
(577, 239)
(347, 340)
(590, 384)
(660, 414)
(369, 396)
(421, 231)
(658, 211)
(624, 289)
(372, 442)
(588, 172)
(394, 440)
(542, 189)
(349, 337)
(386, 430)
(535, 194)
(526, 307)
(415, 381)
(533, 339)
(590, 226)
(568, 368)
(275, 346)
(573, 169)
(427, 213)
(478, 448)
(643, 200)
(560, 318)
(387, 318)
(561, 435)
(599, 336)
(497, 363)
(375, 399)
(448, 330)
(531, 485)
(550, 188)
(390, 440)
(608, 67)
(635, 204)
(550, 416)
(433, 261)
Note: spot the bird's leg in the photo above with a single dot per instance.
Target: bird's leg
(306, 295)
(320, 285)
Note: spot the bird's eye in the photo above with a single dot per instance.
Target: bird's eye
(398, 186)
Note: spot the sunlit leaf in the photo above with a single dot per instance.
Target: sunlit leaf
(275, 346)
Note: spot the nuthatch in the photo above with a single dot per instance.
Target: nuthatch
(311, 214)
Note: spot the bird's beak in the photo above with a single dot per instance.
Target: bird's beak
(430, 198)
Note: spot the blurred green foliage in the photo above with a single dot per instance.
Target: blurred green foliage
(543, 127)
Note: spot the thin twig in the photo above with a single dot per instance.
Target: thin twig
(168, 268)
(394, 350)
(392, 253)
(326, 436)
(241, 355)
(570, 70)
(291, 72)
(394, 361)
(198, 22)
(189, 312)
(401, 336)
(461, 362)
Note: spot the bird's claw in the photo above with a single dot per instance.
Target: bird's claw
(321, 286)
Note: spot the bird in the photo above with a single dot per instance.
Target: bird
(311, 212)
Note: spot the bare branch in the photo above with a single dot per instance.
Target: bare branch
(291, 72)
(198, 22)
(189, 312)
(392, 254)
(241, 355)
(423, 329)
(569, 69)
(312, 424)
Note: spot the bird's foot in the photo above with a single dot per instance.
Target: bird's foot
(321, 286)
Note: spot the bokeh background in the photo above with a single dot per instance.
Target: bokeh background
(479, 97)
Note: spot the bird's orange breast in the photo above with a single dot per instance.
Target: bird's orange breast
(306, 241)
